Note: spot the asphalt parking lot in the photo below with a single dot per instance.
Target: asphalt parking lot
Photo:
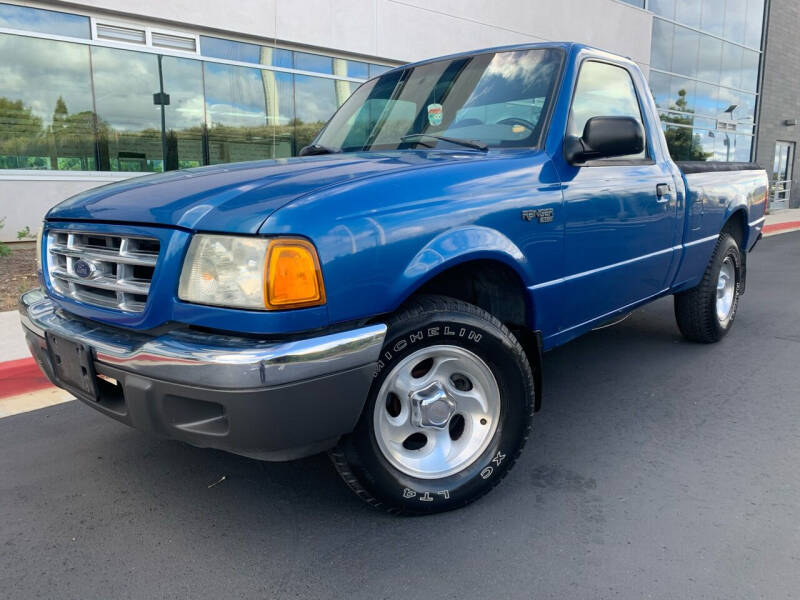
(657, 469)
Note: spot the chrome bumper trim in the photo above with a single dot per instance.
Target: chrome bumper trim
(205, 359)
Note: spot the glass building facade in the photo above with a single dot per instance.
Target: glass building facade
(87, 105)
(704, 71)
(71, 100)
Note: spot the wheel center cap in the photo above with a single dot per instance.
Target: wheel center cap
(431, 407)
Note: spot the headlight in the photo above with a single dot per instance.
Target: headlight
(39, 248)
(254, 273)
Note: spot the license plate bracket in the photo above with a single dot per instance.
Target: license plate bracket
(73, 363)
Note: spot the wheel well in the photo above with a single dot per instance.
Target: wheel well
(489, 284)
(736, 225)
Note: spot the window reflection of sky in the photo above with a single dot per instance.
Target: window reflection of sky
(43, 21)
(702, 77)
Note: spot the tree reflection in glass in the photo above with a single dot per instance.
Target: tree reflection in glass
(46, 119)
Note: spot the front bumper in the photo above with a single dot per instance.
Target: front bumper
(272, 400)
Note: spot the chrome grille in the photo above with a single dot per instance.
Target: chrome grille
(117, 273)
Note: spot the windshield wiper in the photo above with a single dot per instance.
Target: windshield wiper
(468, 143)
(315, 149)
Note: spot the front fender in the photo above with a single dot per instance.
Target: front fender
(454, 247)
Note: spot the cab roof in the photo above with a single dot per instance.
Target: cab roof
(566, 46)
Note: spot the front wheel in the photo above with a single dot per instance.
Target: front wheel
(448, 412)
(706, 313)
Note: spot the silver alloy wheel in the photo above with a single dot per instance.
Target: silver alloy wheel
(726, 290)
(436, 412)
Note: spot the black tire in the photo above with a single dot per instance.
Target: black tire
(696, 309)
(433, 321)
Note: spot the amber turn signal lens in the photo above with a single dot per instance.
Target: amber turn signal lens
(294, 278)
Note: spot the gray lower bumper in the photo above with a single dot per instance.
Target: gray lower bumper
(268, 400)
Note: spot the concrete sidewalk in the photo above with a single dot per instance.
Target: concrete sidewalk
(12, 340)
(782, 221)
(784, 216)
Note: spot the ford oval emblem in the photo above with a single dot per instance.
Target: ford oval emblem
(83, 269)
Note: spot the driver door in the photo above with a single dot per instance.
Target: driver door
(620, 218)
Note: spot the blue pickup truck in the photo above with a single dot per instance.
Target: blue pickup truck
(387, 295)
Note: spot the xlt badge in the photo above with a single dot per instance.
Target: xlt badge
(545, 215)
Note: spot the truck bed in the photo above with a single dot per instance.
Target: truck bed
(688, 167)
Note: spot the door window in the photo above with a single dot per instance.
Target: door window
(782, 173)
(603, 90)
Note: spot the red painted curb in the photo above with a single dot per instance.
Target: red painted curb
(776, 227)
(21, 376)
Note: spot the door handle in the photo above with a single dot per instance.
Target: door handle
(663, 192)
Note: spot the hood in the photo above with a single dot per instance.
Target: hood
(235, 198)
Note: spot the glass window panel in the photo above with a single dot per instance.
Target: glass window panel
(343, 91)
(735, 17)
(313, 62)
(671, 118)
(684, 55)
(705, 123)
(754, 23)
(639, 3)
(682, 94)
(357, 69)
(496, 98)
(354, 86)
(129, 123)
(784, 161)
(721, 141)
(665, 8)
(684, 119)
(706, 99)
(660, 87)
(280, 112)
(276, 57)
(236, 100)
(712, 18)
(688, 12)
(375, 70)
(229, 49)
(730, 147)
(661, 52)
(602, 90)
(731, 74)
(749, 70)
(745, 113)
(709, 61)
(44, 21)
(729, 105)
(185, 113)
(315, 102)
(703, 142)
(687, 143)
(744, 144)
(46, 113)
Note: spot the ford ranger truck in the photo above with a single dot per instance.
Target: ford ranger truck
(387, 295)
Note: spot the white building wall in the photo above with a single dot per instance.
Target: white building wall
(405, 30)
(394, 30)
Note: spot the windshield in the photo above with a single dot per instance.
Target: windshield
(496, 100)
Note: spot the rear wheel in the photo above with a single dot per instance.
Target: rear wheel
(448, 412)
(706, 313)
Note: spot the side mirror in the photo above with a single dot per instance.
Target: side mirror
(605, 137)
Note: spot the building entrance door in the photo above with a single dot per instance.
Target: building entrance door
(781, 184)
